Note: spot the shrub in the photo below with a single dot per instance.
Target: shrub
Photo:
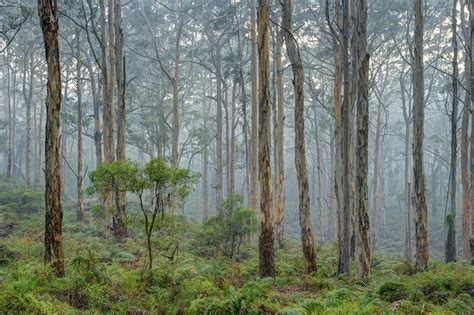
(226, 232)
(393, 291)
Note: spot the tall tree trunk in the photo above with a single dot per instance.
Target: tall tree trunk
(219, 120)
(28, 97)
(300, 151)
(362, 148)
(419, 181)
(266, 253)
(231, 161)
(466, 206)
(337, 99)
(254, 112)
(10, 120)
(376, 179)
(320, 179)
(345, 221)
(205, 167)
(120, 215)
(96, 114)
(80, 158)
(279, 142)
(450, 254)
(175, 84)
(406, 107)
(332, 228)
(471, 5)
(109, 104)
(245, 125)
(53, 237)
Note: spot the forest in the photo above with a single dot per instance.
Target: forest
(219, 157)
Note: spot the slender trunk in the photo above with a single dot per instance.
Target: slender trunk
(205, 194)
(120, 216)
(28, 97)
(109, 104)
(219, 120)
(345, 228)
(362, 148)
(266, 253)
(10, 120)
(175, 84)
(450, 254)
(471, 5)
(419, 183)
(320, 182)
(254, 113)
(406, 171)
(231, 161)
(279, 142)
(300, 151)
(466, 207)
(53, 212)
(245, 126)
(80, 158)
(376, 179)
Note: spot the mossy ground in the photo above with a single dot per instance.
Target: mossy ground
(103, 276)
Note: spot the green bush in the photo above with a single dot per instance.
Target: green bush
(228, 230)
(393, 291)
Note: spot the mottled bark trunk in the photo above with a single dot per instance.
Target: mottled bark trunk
(419, 181)
(219, 120)
(28, 71)
(466, 206)
(96, 113)
(362, 227)
(80, 158)
(406, 107)
(175, 84)
(471, 5)
(450, 251)
(109, 102)
(376, 179)
(205, 193)
(253, 113)
(345, 220)
(10, 120)
(53, 238)
(279, 142)
(300, 151)
(266, 252)
(120, 215)
(245, 125)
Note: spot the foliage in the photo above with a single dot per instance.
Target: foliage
(106, 277)
(225, 232)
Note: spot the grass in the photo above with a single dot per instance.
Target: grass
(103, 276)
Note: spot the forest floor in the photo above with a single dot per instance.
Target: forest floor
(103, 276)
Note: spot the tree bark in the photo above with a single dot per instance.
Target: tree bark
(362, 148)
(10, 120)
(406, 106)
(53, 238)
(253, 113)
(300, 151)
(266, 253)
(450, 253)
(279, 142)
(28, 70)
(80, 158)
(466, 206)
(120, 215)
(345, 220)
(419, 181)
(471, 5)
